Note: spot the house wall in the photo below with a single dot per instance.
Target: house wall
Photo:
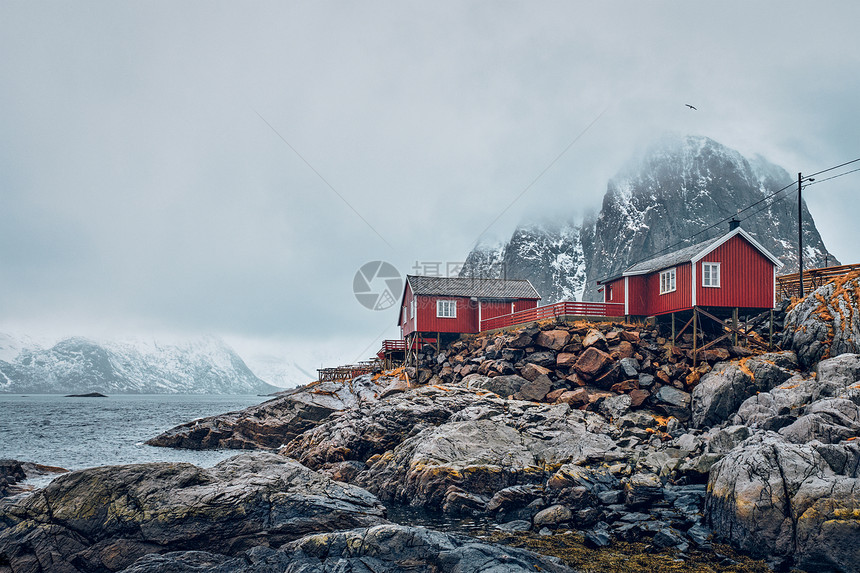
(493, 308)
(524, 304)
(639, 295)
(407, 326)
(746, 277)
(615, 289)
(680, 299)
(465, 322)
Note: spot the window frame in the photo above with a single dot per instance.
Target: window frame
(670, 283)
(446, 308)
(712, 265)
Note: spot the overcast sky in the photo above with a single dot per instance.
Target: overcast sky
(226, 168)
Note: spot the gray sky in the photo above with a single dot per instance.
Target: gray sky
(140, 190)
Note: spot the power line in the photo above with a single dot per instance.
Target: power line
(706, 229)
(833, 177)
(834, 167)
(748, 207)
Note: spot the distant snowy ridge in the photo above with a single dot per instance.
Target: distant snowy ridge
(675, 189)
(79, 365)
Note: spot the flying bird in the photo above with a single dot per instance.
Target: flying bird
(691, 107)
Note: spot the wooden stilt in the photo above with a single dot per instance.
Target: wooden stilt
(695, 333)
(735, 326)
(673, 329)
(770, 336)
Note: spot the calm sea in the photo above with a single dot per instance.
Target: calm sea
(76, 433)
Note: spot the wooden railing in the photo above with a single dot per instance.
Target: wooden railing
(788, 286)
(606, 309)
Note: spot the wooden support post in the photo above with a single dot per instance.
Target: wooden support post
(770, 336)
(673, 329)
(695, 334)
(735, 326)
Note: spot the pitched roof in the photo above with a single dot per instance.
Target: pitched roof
(684, 255)
(477, 287)
(693, 253)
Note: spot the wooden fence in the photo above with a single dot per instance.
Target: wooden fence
(601, 309)
(788, 286)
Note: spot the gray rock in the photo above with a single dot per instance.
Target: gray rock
(502, 385)
(780, 500)
(516, 525)
(553, 515)
(535, 390)
(611, 496)
(597, 538)
(721, 391)
(700, 535)
(835, 374)
(630, 367)
(642, 489)
(726, 439)
(484, 456)
(273, 423)
(674, 402)
(646, 380)
(107, 517)
(615, 406)
(381, 549)
(829, 421)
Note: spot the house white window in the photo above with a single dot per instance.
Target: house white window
(446, 309)
(710, 274)
(667, 281)
(412, 308)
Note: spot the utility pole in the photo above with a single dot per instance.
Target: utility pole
(800, 231)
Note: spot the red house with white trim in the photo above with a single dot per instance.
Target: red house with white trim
(732, 271)
(437, 305)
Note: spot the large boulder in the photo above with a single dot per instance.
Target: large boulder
(788, 502)
(103, 519)
(381, 549)
(485, 454)
(376, 427)
(721, 391)
(502, 385)
(591, 363)
(826, 323)
(273, 423)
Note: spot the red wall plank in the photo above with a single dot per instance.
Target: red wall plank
(746, 277)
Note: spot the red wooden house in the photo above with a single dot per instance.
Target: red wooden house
(432, 306)
(729, 272)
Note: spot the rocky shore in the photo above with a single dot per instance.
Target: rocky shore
(603, 433)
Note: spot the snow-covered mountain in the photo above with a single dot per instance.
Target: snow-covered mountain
(676, 189)
(550, 256)
(80, 365)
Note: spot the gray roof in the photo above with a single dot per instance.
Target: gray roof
(684, 255)
(477, 287)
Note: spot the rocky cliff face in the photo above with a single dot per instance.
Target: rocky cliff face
(78, 365)
(677, 188)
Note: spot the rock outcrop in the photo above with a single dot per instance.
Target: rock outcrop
(381, 549)
(272, 424)
(789, 492)
(103, 519)
(826, 323)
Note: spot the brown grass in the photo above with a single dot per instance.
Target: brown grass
(622, 557)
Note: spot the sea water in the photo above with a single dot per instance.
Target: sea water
(76, 433)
